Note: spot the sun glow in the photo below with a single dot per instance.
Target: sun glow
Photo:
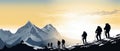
(75, 24)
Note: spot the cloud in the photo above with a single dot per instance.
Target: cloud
(106, 12)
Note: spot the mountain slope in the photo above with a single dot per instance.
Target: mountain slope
(4, 35)
(50, 30)
(1, 44)
(31, 34)
(109, 44)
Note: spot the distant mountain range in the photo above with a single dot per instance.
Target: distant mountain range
(108, 44)
(31, 35)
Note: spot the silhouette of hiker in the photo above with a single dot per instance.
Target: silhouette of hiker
(58, 43)
(51, 45)
(107, 30)
(84, 36)
(48, 45)
(63, 43)
(98, 32)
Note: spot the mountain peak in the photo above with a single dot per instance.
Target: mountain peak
(49, 25)
(28, 24)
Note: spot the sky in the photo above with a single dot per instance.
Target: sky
(70, 17)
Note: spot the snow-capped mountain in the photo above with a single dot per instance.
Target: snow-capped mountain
(5, 35)
(51, 30)
(8, 38)
(30, 34)
(30, 31)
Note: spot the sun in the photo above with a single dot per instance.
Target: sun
(75, 24)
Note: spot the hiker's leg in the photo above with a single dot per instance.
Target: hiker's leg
(64, 46)
(83, 41)
(97, 37)
(100, 37)
(106, 34)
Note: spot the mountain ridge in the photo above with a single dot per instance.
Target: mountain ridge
(30, 31)
(108, 44)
